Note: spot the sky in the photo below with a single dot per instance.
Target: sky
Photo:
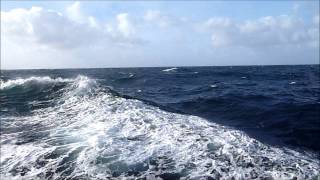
(96, 34)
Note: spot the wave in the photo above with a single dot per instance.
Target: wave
(91, 133)
(31, 80)
(170, 69)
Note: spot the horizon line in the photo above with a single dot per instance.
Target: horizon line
(155, 67)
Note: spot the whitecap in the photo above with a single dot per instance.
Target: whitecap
(170, 69)
(23, 81)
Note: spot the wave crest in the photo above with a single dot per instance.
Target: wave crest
(31, 80)
(170, 69)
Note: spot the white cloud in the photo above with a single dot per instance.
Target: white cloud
(124, 25)
(266, 31)
(42, 38)
(156, 17)
(17, 21)
(74, 13)
(70, 30)
(218, 22)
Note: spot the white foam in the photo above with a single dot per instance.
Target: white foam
(82, 85)
(213, 85)
(170, 69)
(292, 82)
(23, 81)
(111, 134)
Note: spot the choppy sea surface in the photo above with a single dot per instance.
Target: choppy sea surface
(254, 122)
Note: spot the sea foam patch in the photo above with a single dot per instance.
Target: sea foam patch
(93, 134)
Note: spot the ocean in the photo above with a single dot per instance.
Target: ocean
(232, 122)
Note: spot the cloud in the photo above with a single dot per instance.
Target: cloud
(69, 37)
(218, 22)
(263, 32)
(124, 25)
(164, 20)
(157, 18)
(72, 29)
(74, 13)
(16, 22)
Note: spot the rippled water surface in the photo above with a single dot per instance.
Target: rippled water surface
(169, 123)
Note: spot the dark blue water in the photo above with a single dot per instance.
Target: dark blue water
(275, 105)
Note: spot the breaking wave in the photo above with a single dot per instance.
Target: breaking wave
(32, 80)
(90, 133)
(170, 69)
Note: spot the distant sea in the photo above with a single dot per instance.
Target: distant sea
(240, 122)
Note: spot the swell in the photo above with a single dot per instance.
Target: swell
(292, 123)
(92, 134)
(31, 81)
(281, 115)
(22, 95)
